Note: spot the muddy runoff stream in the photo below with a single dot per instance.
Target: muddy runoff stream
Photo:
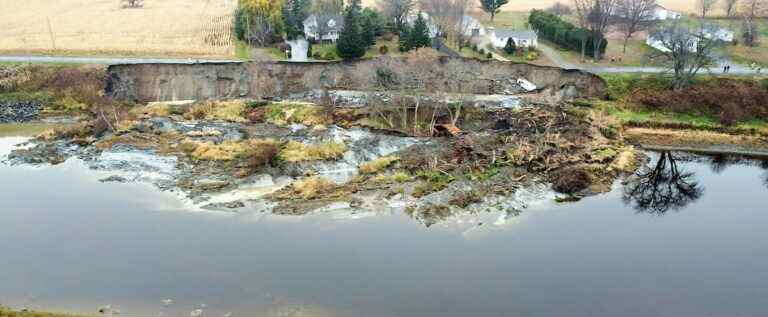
(680, 238)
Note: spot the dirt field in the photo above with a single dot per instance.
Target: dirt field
(527, 5)
(160, 28)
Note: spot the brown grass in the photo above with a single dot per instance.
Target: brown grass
(300, 152)
(664, 137)
(313, 187)
(258, 152)
(168, 27)
(377, 165)
(232, 111)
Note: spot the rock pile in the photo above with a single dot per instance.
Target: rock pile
(18, 111)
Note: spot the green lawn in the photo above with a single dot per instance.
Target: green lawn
(243, 50)
(467, 52)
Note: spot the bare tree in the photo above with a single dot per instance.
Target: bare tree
(396, 11)
(597, 15)
(663, 187)
(730, 7)
(583, 7)
(752, 10)
(686, 52)
(560, 9)
(450, 18)
(633, 16)
(705, 6)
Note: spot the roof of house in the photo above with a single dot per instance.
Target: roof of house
(523, 35)
(712, 28)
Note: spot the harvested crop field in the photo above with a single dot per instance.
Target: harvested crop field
(92, 27)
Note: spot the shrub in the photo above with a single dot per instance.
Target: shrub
(384, 50)
(732, 100)
(482, 51)
(510, 48)
(388, 36)
(489, 55)
(465, 199)
(329, 56)
(553, 28)
(300, 152)
(260, 153)
(385, 77)
(571, 181)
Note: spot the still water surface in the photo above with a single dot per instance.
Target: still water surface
(71, 243)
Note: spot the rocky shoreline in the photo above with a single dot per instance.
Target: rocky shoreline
(19, 111)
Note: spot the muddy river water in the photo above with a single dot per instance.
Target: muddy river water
(690, 243)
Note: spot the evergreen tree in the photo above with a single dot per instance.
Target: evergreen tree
(369, 31)
(419, 35)
(294, 14)
(511, 47)
(351, 43)
(309, 50)
(493, 6)
(404, 40)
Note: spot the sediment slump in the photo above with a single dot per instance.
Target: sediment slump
(434, 74)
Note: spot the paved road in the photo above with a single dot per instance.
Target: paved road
(107, 60)
(558, 60)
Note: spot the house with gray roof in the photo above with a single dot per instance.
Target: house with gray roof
(527, 38)
(323, 27)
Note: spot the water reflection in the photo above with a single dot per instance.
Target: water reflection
(661, 187)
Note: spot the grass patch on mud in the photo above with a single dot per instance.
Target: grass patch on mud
(299, 152)
(7, 312)
(283, 114)
(378, 165)
(25, 129)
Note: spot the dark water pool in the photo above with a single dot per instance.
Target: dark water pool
(690, 241)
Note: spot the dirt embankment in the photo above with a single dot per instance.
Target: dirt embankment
(155, 82)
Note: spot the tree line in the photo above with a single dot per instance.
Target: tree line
(553, 28)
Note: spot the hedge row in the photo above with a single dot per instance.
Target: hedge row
(564, 34)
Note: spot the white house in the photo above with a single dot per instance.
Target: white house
(329, 25)
(714, 32)
(499, 38)
(471, 26)
(431, 25)
(661, 13)
(656, 42)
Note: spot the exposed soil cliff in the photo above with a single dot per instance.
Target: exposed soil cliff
(156, 82)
